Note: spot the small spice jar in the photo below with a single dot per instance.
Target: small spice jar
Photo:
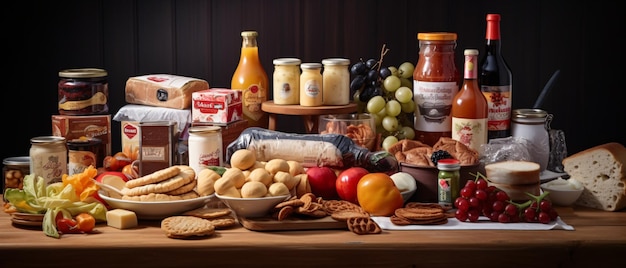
(336, 81)
(311, 84)
(48, 158)
(83, 91)
(448, 181)
(14, 170)
(286, 81)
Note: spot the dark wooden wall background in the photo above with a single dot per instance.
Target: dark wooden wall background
(202, 39)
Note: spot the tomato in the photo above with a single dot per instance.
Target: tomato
(322, 181)
(378, 195)
(85, 222)
(347, 181)
(67, 226)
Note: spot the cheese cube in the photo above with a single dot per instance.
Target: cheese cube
(121, 218)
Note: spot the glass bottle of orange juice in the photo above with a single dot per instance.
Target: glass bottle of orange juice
(251, 78)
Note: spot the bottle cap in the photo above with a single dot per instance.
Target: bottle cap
(249, 33)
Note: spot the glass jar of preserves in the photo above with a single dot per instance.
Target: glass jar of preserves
(287, 81)
(311, 84)
(48, 158)
(83, 92)
(82, 153)
(448, 181)
(336, 81)
(435, 83)
(205, 147)
(14, 170)
(533, 125)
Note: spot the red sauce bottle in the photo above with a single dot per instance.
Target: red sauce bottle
(435, 83)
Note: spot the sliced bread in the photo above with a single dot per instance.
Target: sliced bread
(513, 172)
(602, 172)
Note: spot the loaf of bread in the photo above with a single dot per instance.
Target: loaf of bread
(163, 90)
(516, 178)
(602, 172)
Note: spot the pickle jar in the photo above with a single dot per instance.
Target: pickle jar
(448, 181)
(83, 91)
(336, 81)
(14, 170)
(286, 81)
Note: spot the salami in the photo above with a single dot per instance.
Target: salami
(332, 150)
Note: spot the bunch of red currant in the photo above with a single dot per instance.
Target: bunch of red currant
(478, 198)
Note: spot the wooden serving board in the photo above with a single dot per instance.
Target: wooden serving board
(292, 223)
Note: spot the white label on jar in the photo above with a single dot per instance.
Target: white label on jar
(50, 166)
(312, 88)
(471, 132)
(433, 101)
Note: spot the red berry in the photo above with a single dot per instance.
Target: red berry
(460, 215)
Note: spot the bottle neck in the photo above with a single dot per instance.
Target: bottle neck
(248, 41)
(470, 70)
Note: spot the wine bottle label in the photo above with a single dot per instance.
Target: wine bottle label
(434, 103)
(253, 97)
(471, 132)
(499, 102)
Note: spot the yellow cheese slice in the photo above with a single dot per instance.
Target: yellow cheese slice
(121, 218)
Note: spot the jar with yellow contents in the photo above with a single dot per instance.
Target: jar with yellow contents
(286, 81)
(311, 89)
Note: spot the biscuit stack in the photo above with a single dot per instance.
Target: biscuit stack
(172, 183)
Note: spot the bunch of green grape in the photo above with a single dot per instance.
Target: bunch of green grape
(387, 94)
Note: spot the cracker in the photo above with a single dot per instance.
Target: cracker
(160, 187)
(344, 215)
(184, 227)
(223, 222)
(152, 197)
(184, 189)
(155, 177)
(332, 206)
(362, 226)
(208, 213)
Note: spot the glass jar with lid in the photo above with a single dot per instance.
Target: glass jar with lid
(83, 91)
(435, 83)
(14, 170)
(48, 158)
(311, 84)
(286, 81)
(336, 81)
(534, 126)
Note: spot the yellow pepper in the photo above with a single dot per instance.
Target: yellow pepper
(378, 195)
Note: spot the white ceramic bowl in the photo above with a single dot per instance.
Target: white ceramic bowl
(156, 210)
(252, 207)
(563, 194)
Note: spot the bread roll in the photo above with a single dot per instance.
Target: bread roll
(513, 172)
(601, 171)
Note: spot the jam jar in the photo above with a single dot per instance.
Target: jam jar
(83, 91)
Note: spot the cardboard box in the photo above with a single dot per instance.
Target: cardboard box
(217, 106)
(76, 126)
(131, 137)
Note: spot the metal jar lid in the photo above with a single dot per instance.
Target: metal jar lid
(529, 115)
(204, 129)
(336, 61)
(47, 140)
(17, 161)
(83, 73)
(287, 61)
(311, 65)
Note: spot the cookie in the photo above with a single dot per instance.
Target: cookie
(152, 197)
(223, 222)
(363, 226)
(161, 187)
(186, 227)
(184, 189)
(344, 215)
(208, 213)
(332, 206)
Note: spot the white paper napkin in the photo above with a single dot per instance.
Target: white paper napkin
(483, 224)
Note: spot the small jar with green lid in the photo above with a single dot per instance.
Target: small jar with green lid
(448, 181)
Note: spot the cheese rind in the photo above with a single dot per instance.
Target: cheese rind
(121, 218)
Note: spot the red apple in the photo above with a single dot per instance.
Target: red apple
(347, 181)
(322, 181)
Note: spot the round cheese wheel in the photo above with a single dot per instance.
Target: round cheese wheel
(513, 172)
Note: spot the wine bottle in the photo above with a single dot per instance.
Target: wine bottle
(496, 81)
(251, 78)
(469, 106)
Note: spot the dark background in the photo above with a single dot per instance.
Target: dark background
(202, 39)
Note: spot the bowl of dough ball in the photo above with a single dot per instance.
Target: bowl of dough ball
(360, 128)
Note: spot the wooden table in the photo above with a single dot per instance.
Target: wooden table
(599, 238)
(310, 115)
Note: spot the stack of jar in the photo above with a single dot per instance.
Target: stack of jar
(311, 87)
